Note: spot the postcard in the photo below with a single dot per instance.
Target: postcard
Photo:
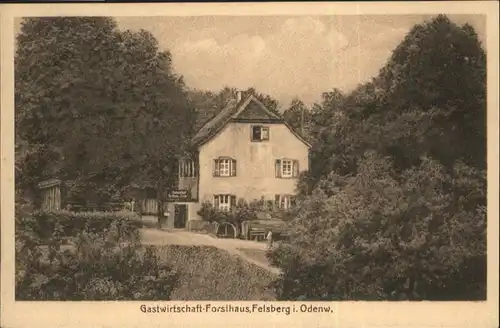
(249, 164)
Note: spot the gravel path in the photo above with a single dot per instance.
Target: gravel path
(151, 236)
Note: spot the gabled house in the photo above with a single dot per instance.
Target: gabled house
(244, 152)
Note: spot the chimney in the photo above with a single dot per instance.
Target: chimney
(238, 96)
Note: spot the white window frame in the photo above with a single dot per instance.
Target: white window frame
(224, 203)
(224, 167)
(284, 168)
(284, 201)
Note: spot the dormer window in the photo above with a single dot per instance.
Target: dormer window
(260, 133)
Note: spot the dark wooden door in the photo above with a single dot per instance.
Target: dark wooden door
(180, 216)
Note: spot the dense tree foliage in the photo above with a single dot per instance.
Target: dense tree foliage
(439, 70)
(428, 99)
(97, 106)
(69, 256)
(379, 235)
(51, 79)
(298, 116)
(394, 204)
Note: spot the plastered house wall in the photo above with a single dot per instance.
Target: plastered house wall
(255, 172)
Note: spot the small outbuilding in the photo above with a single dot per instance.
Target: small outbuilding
(51, 194)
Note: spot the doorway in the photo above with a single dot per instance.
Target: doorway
(180, 216)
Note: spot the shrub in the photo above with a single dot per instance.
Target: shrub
(64, 225)
(419, 235)
(93, 268)
(208, 212)
(244, 211)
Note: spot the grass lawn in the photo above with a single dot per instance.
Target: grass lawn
(208, 273)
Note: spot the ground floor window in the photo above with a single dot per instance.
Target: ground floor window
(284, 201)
(224, 202)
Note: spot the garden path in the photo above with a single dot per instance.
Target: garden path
(151, 236)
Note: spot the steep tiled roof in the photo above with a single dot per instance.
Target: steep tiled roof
(246, 109)
(215, 124)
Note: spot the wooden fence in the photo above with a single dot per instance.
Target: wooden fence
(52, 193)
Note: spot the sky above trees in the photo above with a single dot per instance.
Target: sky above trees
(285, 56)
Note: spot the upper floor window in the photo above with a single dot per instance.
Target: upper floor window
(224, 167)
(287, 168)
(260, 133)
(224, 202)
(187, 168)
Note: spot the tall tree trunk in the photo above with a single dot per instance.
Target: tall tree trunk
(161, 216)
(159, 201)
(162, 191)
(36, 196)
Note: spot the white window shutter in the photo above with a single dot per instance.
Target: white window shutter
(233, 167)
(216, 201)
(265, 133)
(278, 168)
(216, 168)
(295, 169)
